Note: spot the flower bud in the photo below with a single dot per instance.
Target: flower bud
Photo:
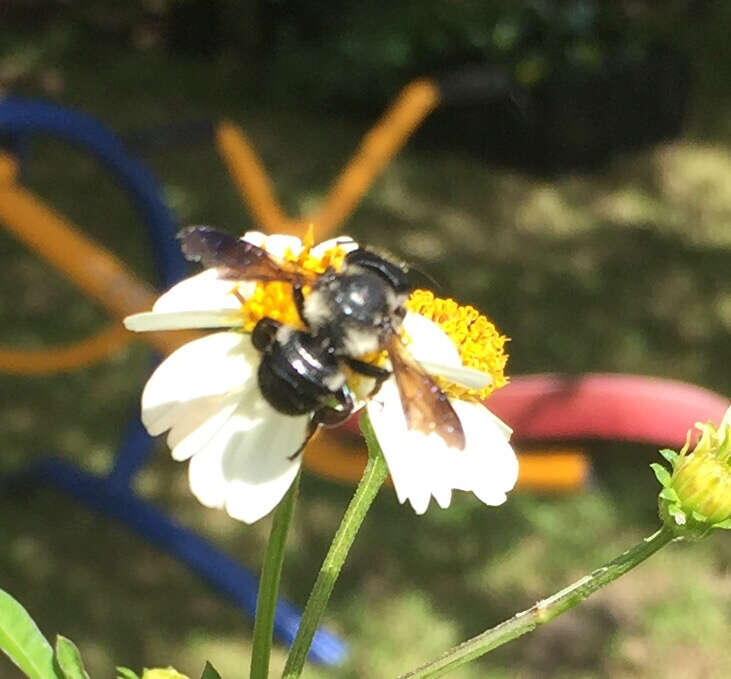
(696, 496)
(163, 673)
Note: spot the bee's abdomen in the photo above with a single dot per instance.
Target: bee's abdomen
(299, 375)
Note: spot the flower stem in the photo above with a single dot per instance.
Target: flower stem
(271, 571)
(544, 611)
(373, 477)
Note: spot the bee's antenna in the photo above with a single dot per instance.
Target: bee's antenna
(436, 285)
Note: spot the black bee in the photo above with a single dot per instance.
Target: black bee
(347, 314)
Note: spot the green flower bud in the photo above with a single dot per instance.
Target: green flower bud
(696, 496)
(162, 673)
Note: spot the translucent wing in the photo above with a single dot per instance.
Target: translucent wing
(237, 259)
(426, 406)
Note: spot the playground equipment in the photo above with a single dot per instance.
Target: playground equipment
(101, 275)
(541, 408)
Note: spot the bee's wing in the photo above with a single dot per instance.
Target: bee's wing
(235, 258)
(426, 406)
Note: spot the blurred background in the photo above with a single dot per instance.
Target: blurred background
(574, 183)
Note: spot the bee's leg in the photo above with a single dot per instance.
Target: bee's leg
(237, 294)
(264, 332)
(380, 375)
(327, 416)
(309, 433)
(299, 302)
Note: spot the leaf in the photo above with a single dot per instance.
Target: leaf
(669, 494)
(726, 524)
(23, 642)
(209, 672)
(669, 454)
(126, 673)
(69, 659)
(662, 474)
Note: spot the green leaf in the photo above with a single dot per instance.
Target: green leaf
(669, 454)
(662, 474)
(126, 673)
(209, 672)
(669, 494)
(697, 516)
(23, 642)
(69, 659)
(726, 524)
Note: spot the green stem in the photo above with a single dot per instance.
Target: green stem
(373, 477)
(543, 611)
(271, 571)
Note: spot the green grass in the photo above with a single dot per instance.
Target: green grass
(625, 270)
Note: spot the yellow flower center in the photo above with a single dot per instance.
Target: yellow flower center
(478, 341)
(274, 299)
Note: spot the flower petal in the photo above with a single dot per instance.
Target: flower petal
(275, 244)
(198, 422)
(467, 377)
(203, 292)
(246, 466)
(428, 342)
(422, 465)
(488, 465)
(344, 242)
(213, 365)
(181, 320)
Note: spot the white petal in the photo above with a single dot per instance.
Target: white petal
(467, 377)
(506, 430)
(422, 465)
(344, 242)
(213, 365)
(257, 238)
(488, 465)
(199, 421)
(203, 292)
(245, 467)
(429, 342)
(147, 321)
(274, 244)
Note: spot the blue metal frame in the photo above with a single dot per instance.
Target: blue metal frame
(113, 495)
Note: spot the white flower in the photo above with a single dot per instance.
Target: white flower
(206, 396)
(421, 465)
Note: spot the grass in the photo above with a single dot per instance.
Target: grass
(624, 270)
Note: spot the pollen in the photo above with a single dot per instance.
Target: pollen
(274, 299)
(480, 344)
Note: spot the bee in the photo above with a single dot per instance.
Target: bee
(347, 314)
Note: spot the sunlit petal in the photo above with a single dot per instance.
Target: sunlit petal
(344, 242)
(246, 466)
(198, 421)
(488, 465)
(422, 465)
(467, 377)
(275, 244)
(428, 342)
(147, 321)
(203, 292)
(211, 366)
